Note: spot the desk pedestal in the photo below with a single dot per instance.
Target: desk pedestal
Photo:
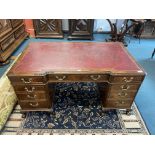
(36, 93)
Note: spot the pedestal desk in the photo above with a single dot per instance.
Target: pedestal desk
(47, 63)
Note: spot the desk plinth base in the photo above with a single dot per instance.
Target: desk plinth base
(24, 111)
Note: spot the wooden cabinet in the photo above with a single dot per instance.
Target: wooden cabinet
(149, 30)
(48, 28)
(12, 33)
(81, 29)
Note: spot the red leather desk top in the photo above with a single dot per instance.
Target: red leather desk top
(42, 57)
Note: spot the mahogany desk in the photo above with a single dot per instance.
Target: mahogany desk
(108, 64)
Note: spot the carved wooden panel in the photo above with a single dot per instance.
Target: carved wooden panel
(81, 28)
(48, 28)
(5, 26)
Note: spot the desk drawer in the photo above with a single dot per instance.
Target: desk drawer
(29, 88)
(27, 80)
(78, 77)
(125, 87)
(34, 105)
(31, 96)
(126, 79)
(118, 104)
(122, 95)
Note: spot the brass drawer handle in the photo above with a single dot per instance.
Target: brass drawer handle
(31, 97)
(29, 91)
(122, 94)
(120, 102)
(127, 79)
(60, 78)
(95, 77)
(34, 104)
(125, 87)
(27, 81)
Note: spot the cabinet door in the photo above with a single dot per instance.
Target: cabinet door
(81, 28)
(48, 28)
(5, 27)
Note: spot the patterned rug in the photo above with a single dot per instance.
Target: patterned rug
(78, 110)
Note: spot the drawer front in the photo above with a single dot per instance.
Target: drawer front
(32, 96)
(35, 105)
(124, 87)
(19, 32)
(27, 80)
(78, 77)
(7, 42)
(122, 95)
(29, 88)
(126, 79)
(118, 104)
(16, 22)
